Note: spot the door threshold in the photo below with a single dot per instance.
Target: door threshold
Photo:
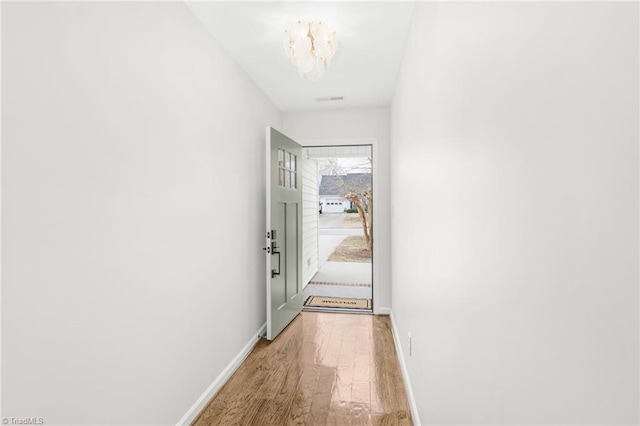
(337, 310)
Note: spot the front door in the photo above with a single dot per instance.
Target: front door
(284, 231)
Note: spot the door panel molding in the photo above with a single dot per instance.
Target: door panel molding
(284, 216)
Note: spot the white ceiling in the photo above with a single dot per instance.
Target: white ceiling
(371, 37)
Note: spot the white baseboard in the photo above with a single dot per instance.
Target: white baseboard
(405, 373)
(383, 311)
(222, 378)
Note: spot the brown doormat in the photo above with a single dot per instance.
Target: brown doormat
(337, 302)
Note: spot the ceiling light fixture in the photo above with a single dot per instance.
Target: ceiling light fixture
(310, 46)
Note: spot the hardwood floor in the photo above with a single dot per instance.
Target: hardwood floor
(324, 369)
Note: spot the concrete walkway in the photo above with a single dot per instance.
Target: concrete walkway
(326, 245)
(345, 273)
(337, 291)
(338, 279)
(331, 234)
(341, 279)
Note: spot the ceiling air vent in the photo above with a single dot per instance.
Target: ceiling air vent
(329, 99)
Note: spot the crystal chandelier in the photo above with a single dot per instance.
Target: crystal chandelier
(310, 46)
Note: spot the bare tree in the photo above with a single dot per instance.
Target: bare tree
(356, 199)
(332, 166)
(354, 184)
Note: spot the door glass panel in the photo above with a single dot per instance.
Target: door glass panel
(287, 169)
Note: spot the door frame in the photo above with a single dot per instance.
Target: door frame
(373, 143)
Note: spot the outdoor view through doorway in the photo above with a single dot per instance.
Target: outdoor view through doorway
(338, 235)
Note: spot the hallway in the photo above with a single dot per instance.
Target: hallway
(324, 369)
(137, 211)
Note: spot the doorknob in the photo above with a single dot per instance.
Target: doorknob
(274, 250)
(273, 271)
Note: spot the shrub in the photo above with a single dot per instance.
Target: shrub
(351, 210)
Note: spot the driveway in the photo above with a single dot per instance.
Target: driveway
(333, 224)
(331, 220)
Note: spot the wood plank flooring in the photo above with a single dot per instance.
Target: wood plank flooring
(324, 369)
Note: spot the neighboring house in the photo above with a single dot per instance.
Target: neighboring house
(333, 188)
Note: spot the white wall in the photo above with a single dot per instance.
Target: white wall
(342, 124)
(127, 286)
(515, 226)
(309, 217)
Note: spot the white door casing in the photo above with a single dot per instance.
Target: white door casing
(378, 257)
